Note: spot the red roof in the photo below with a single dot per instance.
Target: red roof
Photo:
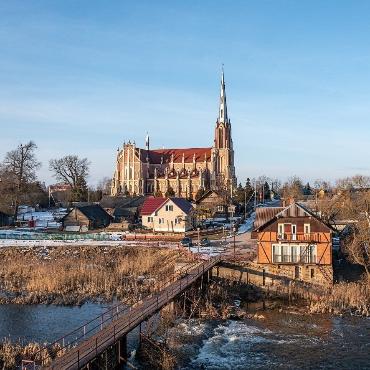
(151, 204)
(156, 155)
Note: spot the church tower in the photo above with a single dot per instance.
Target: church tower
(223, 146)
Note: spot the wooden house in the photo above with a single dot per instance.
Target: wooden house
(83, 218)
(211, 204)
(294, 242)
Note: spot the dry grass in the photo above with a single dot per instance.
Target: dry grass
(71, 275)
(344, 298)
(11, 354)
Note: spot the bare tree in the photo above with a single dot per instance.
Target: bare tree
(19, 170)
(292, 189)
(104, 185)
(354, 182)
(352, 202)
(355, 205)
(73, 171)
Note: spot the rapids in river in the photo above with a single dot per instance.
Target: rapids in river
(278, 341)
(273, 340)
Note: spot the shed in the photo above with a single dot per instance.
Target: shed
(86, 218)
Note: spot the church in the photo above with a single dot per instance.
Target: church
(179, 172)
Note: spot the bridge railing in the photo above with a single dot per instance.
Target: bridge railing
(135, 317)
(73, 338)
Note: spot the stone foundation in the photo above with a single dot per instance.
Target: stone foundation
(269, 275)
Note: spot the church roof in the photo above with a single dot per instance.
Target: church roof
(155, 156)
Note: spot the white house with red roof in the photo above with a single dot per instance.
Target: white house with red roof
(172, 215)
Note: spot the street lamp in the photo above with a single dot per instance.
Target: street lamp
(234, 230)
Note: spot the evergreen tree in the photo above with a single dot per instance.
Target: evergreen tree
(239, 194)
(266, 190)
(170, 192)
(307, 189)
(158, 194)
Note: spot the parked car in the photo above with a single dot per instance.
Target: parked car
(212, 224)
(205, 242)
(186, 242)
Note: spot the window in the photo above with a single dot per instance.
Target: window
(307, 228)
(150, 219)
(280, 231)
(308, 253)
(169, 207)
(177, 220)
(285, 253)
(294, 253)
(161, 221)
(294, 232)
(312, 273)
(276, 253)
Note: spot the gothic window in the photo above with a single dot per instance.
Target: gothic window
(220, 138)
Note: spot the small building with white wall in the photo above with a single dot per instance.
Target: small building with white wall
(172, 215)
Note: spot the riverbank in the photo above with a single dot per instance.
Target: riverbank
(72, 275)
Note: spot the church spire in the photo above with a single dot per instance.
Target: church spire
(222, 114)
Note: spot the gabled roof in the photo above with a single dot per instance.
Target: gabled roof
(265, 214)
(151, 204)
(206, 194)
(270, 214)
(93, 212)
(183, 204)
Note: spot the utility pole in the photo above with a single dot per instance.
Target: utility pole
(234, 229)
(49, 196)
(245, 204)
(255, 194)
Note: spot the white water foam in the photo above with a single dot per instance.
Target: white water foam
(229, 346)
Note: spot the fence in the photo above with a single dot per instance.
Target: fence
(56, 236)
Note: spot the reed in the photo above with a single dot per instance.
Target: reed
(74, 274)
(353, 297)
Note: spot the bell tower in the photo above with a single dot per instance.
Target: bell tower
(223, 146)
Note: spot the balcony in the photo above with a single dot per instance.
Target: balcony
(300, 237)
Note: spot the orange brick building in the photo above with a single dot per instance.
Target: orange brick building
(295, 243)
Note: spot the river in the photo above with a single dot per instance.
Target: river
(276, 340)
(44, 323)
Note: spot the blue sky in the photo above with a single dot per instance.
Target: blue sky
(83, 76)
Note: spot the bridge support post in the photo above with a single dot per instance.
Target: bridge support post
(122, 350)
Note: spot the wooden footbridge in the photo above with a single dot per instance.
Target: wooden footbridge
(107, 334)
